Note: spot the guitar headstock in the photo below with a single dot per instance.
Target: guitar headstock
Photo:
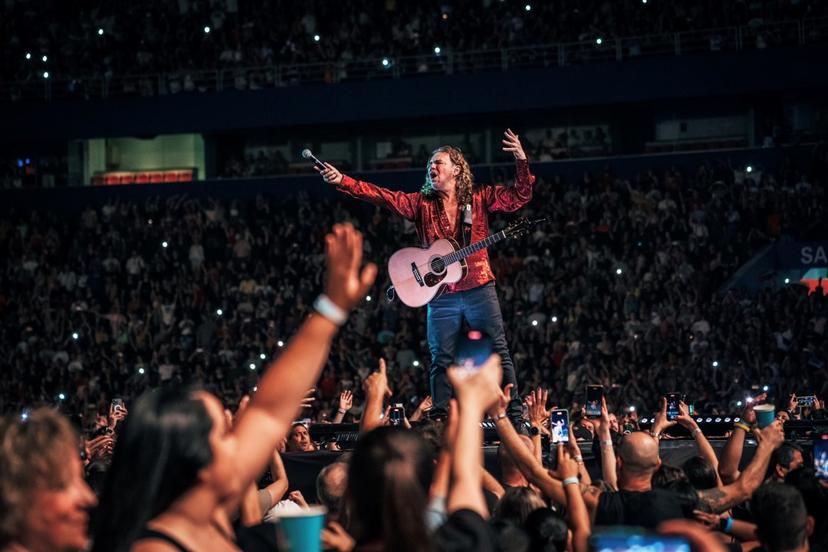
(521, 227)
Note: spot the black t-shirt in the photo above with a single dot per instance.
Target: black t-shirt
(463, 531)
(645, 509)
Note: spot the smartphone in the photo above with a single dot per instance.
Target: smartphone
(805, 400)
(673, 405)
(594, 395)
(637, 540)
(396, 414)
(473, 349)
(117, 404)
(821, 453)
(559, 426)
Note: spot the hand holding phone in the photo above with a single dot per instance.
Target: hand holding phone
(473, 349)
(559, 426)
(594, 396)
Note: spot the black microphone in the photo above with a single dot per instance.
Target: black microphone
(308, 154)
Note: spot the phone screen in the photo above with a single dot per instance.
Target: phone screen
(473, 349)
(821, 454)
(396, 415)
(559, 426)
(807, 400)
(691, 409)
(594, 394)
(673, 406)
(637, 542)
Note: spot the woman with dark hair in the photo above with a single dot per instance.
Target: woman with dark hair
(391, 470)
(179, 470)
(44, 501)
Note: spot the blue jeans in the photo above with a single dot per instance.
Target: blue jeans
(480, 308)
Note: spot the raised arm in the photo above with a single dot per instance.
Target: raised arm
(266, 420)
(376, 389)
(602, 430)
(403, 204)
(475, 394)
(528, 465)
(732, 453)
(578, 514)
(705, 449)
(509, 199)
(723, 498)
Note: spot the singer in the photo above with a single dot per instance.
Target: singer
(450, 205)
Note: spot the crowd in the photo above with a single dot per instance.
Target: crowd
(74, 41)
(181, 471)
(620, 288)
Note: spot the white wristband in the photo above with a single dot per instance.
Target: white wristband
(571, 481)
(327, 308)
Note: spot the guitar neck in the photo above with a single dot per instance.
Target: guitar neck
(474, 248)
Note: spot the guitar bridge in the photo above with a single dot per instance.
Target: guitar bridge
(417, 275)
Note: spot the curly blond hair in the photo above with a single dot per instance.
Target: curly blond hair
(465, 180)
(33, 457)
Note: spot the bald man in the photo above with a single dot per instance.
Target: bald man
(635, 502)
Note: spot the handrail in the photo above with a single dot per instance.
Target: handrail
(712, 40)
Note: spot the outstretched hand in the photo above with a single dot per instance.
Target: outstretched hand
(511, 143)
(329, 173)
(346, 282)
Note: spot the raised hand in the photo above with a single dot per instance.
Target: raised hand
(330, 174)
(376, 384)
(748, 415)
(479, 389)
(538, 414)
(309, 399)
(684, 418)
(661, 423)
(346, 284)
(511, 143)
(346, 400)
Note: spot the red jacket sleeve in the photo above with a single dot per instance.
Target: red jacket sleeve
(406, 205)
(508, 199)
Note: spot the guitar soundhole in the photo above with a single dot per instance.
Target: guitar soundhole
(438, 266)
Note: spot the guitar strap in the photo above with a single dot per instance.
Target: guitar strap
(467, 224)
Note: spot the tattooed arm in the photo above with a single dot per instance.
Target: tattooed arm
(723, 498)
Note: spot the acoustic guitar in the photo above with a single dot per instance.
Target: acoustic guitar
(419, 274)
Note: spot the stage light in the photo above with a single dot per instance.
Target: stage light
(262, 356)
(445, 16)
(738, 403)
(280, 343)
(100, 32)
(386, 62)
(24, 415)
(206, 29)
(75, 335)
(699, 420)
(164, 244)
(28, 55)
(149, 221)
(619, 271)
(45, 59)
(715, 364)
(528, 7)
(599, 41)
(437, 50)
(749, 400)
(787, 280)
(717, 420)
(764, 388)
(61, 396)
(749, 169)
(45, 74)
(554, 319)
(252, 366)
(316, 38)
(632, 409)
(416, 363)
(219, 312)
(643, 1)
(534, 322)
(708, 420)
(727, 420)
(255, 388)
(368, 298)
(141, 371)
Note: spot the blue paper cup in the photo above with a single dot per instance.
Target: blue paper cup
(765, 414)
(301, 531)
